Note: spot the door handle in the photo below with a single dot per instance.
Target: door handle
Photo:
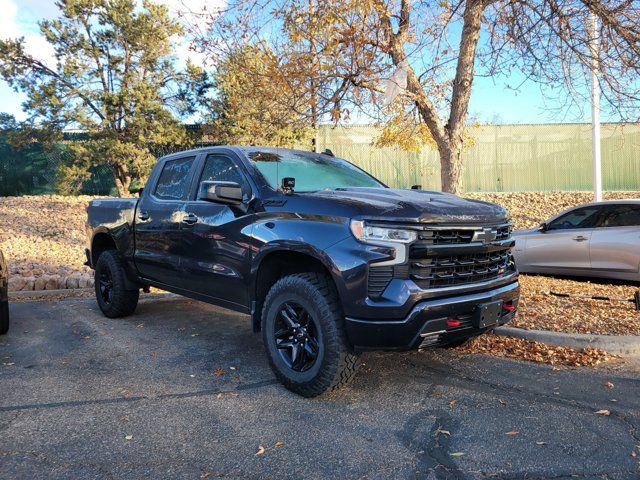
(143, 216)
(580, 238)
(190, 219)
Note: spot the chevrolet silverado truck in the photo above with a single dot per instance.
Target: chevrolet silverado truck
(326, 260)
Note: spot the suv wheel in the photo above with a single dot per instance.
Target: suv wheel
(113, 298)
(303, 333)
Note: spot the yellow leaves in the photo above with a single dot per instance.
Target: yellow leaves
(512, 433)
(261, 450)
(219, 372)
(604, 412)
(405, 131)
(534, 351)
(609, 385)
(453, 403)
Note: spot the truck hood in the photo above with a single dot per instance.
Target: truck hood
(390, 204)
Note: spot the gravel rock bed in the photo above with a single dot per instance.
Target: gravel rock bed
(43, 238)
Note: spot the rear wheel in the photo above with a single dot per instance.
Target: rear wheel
(303, 333)
(114, 299)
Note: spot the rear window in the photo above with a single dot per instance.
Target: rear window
(173, 183)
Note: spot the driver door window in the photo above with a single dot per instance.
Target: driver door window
(218, 168)
(578, 218)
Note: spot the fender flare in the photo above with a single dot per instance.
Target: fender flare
(286, 246)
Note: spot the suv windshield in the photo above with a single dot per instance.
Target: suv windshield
(312, 171)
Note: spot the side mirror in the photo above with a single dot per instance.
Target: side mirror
(221, 192)
(543, 227)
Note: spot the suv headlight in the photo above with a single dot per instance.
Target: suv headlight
(371, 234)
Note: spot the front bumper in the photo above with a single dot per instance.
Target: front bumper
(427, 323)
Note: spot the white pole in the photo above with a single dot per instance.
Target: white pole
(595, 107)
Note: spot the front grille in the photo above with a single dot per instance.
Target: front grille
(445, 237)
(457, 236)
(449, 270)
(503, 232)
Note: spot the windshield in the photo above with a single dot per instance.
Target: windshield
(312, 171)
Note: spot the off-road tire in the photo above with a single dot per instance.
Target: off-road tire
(124, 301)
(337, 363)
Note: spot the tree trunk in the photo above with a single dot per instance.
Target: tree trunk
(451, 167)
(122, 178)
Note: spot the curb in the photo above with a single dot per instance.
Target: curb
(47, 293)
(44, 294)
(624, 345)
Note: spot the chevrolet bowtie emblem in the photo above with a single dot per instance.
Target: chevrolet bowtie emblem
(486, 236)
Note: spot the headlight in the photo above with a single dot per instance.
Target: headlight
(370, 234)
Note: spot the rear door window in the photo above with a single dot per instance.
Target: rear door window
(173, 183)
(622, 216)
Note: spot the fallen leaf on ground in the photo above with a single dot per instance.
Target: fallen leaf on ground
(279, 444)
(521, 349)
(453, 403)
(219, 372)
(603, 412)
(503, 402)
(541, 443)
(205, 474)
(128, 437)
(126, 394)
(444, 432)
(260, 451)
(457, 454)
(609, 385)
(512, 433)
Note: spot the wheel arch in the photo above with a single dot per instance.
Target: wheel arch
(100, 243)
(277, 262)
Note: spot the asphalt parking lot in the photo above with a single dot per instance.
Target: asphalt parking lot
(183, 390)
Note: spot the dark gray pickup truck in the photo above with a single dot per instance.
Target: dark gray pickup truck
(326, 260)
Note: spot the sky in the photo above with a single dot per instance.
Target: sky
(491, 101)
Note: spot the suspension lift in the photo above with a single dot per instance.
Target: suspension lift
(635, 300)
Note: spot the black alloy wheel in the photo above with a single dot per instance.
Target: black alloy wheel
(304, 335)
(106, 286)
(297, 337)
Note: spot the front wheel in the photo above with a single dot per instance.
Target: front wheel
(111, 293)
(303, 333)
